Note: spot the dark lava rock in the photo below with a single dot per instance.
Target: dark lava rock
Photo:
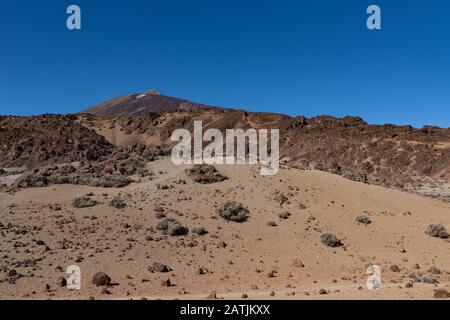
(101, 279)
(330, 240)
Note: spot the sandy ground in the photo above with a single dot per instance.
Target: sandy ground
(102, 238)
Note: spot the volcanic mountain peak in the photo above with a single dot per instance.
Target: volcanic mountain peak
(142, 103)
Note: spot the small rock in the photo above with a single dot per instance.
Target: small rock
(118, 203)
(62, 282)
(159, 267)
(330, 240)
(363, 220)
(434, 270)
(83, 202)
(284, 215)
(437, 231)
(200, 231)
(166, 283)
(105, 291)
(394, 268)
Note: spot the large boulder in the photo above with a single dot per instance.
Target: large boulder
(233, 211)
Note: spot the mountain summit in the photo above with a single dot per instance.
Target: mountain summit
(142, 103)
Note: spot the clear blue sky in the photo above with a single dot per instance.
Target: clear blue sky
(294, 57)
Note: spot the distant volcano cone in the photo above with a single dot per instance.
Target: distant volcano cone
(142, 103)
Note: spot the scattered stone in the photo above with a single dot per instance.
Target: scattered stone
(323, 291)
(428, 280)
(271, 224)
(272, 274)
(12, 273)
(434, 270)
(160, 215)
(221, 244)
(166, 283)
(105, 291)
(394, 268)
(363, 220)
(159, 267)
(200, 271)
(437, 231)
(284, 215)
(212, 295)
(281, 198)
(298, 264)
(200, 231)
(55, 207)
